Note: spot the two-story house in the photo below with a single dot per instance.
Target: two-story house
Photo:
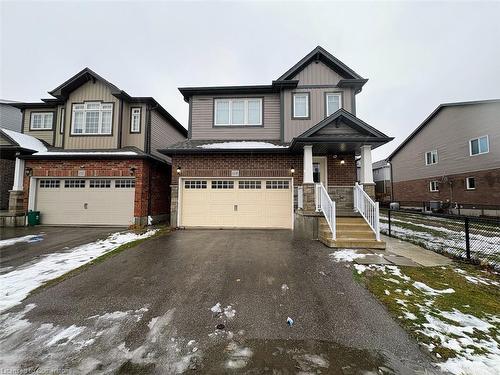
(452, 157)
(249, 148)
(101, 165)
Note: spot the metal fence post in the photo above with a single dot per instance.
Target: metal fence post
(467, 239)
(389, 219)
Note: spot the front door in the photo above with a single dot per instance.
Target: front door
(319, 170)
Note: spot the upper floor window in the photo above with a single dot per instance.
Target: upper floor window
(92, 118)
(431, 157)
(63, 115)
(479, 145)
(41, 120)
(333, 103)
(301, 105)
(135, 120)
(244, 112)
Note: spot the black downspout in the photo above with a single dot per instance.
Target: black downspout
(148, 150)
(392, 183)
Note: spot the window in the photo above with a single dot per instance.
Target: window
(100, 184)
(431, 157)
(301, 105)
(333, 103)
(222, 184)
(243, 112)
(479, 145)
(74, 183)
(128, 183)
(434, 186)
(41, 120)
(249, 184)
(61, 127)
(135, 120)
(470, 183)
(277, 184)
(195, 184)
(50, 183)
(316, 172)
(92, 118)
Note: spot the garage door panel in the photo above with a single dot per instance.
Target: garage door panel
(256, 205)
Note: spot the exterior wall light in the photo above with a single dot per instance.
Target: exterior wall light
(342, 161)
(28, 171)
(132, 171)
(292, 171)
(179, 170)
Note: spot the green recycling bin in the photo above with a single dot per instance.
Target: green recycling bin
(33, 218)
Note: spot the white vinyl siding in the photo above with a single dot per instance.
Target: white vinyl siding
(301, 105)
(478, 146)
(238, 112)
(431, 157)
(333, 103)
(41, 120)
(135, 123)
(92, 118)
(433, 186)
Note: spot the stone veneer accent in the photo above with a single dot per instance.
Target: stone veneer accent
(146, 172)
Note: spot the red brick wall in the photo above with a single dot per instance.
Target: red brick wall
(160, 178)
(259, 165)
(7, 168)
(487, 190)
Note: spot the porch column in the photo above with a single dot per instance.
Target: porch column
(308, 165)
(16, 194)
(366, 172)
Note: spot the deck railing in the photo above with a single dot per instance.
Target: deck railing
(325, 205)
(367, 208)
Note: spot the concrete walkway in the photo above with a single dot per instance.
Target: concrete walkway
(403, 253)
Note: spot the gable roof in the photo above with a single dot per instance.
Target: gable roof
(432, 115)
(320, 54)
(349, 119)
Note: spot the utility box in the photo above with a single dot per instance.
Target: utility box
(33, 218)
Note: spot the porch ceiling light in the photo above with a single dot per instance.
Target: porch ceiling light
(292, 170)
(342, 161)
(179, 170)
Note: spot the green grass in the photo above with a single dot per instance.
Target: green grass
(162, 231)
(481, 301)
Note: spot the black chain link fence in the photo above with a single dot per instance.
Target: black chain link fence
(473, 239)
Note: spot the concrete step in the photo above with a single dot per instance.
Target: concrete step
(352, 243)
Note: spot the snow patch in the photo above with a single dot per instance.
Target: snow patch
(84, 153)
(240, 145)
(430, 291)
(25, 141)
(17, 284)
(346, 255)
(28, 238)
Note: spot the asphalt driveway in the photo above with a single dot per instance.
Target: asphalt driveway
(155, 308)
(45, 240)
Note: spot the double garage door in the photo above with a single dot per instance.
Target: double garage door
(236, 203)
(99, 201)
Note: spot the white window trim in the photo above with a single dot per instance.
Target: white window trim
(132, 114)
(478, 138)
(245, 110)
(437, 157)
(294, 95)
(326, 101)
(32, 118)
(85, 104)
(430, 186)
(467, 187)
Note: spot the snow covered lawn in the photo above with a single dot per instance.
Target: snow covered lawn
(18, 283)
(453, 311)
(445, 235)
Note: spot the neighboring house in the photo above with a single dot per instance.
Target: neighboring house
(250, 146)
(382, 179)
(453, 156)
(102, 166)
(10, 117)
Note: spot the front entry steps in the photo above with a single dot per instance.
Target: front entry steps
(352, 233)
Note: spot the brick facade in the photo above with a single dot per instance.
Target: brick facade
(156, 200)
(6, 181)
(487, 190)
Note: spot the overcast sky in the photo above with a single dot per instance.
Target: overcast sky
(415, 55)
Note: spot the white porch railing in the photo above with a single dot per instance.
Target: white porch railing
(325, 205)
(300, 197)
(367, 208)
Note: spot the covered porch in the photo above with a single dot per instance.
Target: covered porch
(341, 206)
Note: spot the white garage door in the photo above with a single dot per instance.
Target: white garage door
(260, 203)
(85, 201)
